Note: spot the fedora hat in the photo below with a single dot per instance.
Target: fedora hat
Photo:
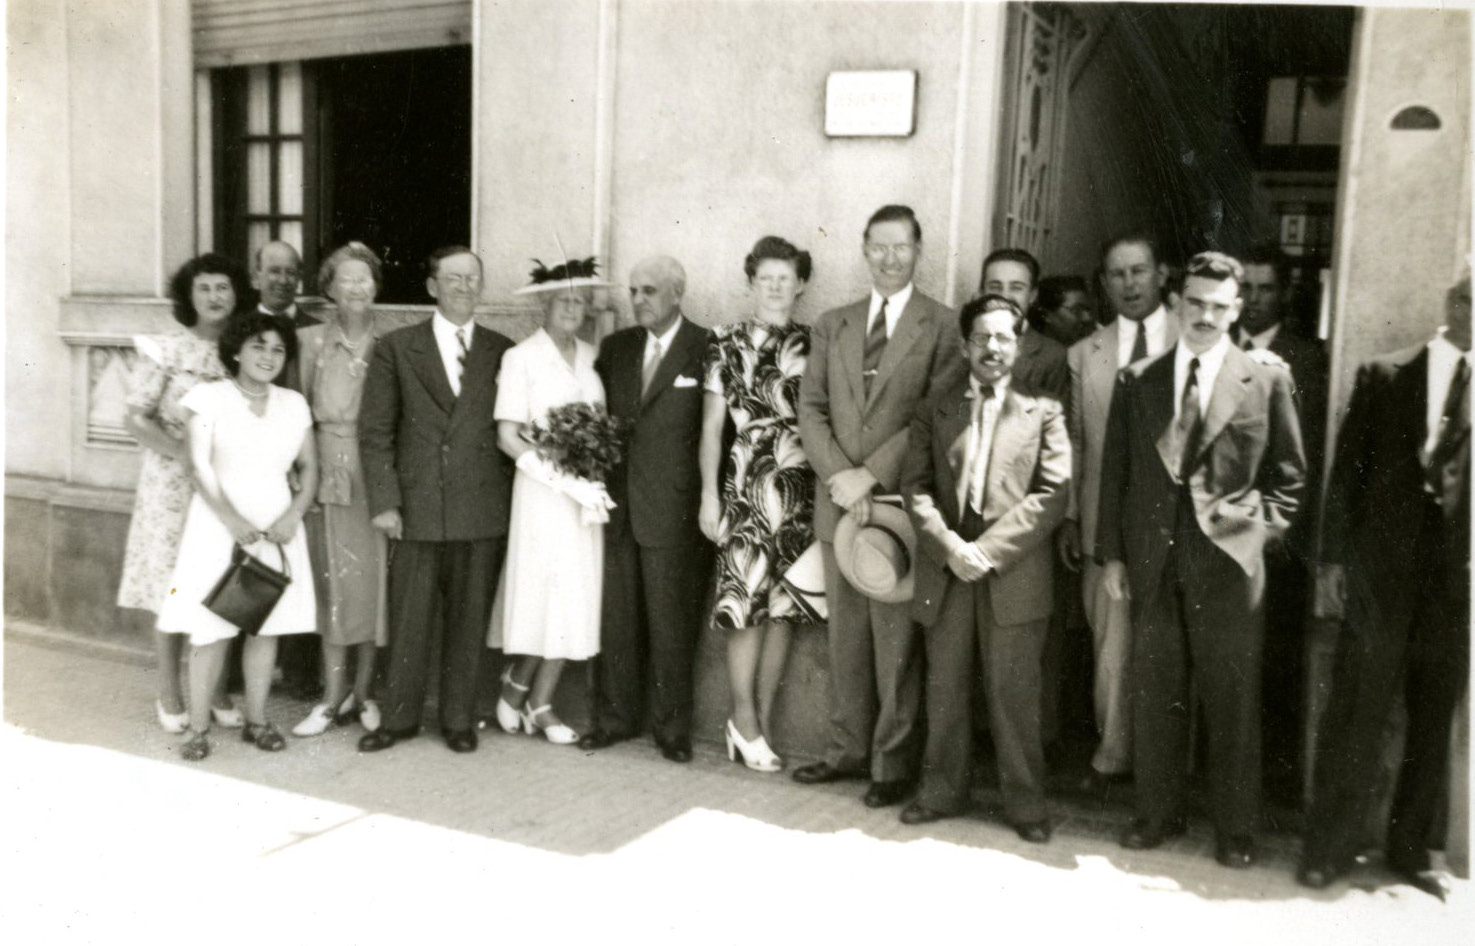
(876, 558)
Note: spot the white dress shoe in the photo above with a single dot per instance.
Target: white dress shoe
(316, 722)
(228, 718)
(172, 722)
(369, 716)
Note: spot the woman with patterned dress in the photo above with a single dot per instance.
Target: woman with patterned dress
(763, 521)
(205, 291)
(349, 553)
(547, 607)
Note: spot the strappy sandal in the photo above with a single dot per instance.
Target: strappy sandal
(264, 736)
(196, 747)
(508, 716)
(555, 732)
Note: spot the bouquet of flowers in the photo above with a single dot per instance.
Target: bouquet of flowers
(579, 444)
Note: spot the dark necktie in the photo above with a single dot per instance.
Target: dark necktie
(1189, 423)
(461, 358)
(875, 347)
(1139, 344)
(1454, 425)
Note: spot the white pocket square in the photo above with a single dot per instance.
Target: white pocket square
(682, 381)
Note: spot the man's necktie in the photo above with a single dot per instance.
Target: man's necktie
(979, 469)
(1454, 425)
(1247, 342)
(1189, 423)
(461, 356)
(875, 347)
(652, 364)
(1139, 344)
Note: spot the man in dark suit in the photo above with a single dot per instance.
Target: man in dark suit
(656, 561)
(1397, 528)
(1202, 469)
(1040, 364)
(439, 487)
(870, 364)
(985, 476)
(1262, 327)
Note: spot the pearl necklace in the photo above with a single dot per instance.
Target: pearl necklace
(252, 395)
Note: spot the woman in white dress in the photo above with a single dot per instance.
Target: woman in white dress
(547, 605)
(246, 435)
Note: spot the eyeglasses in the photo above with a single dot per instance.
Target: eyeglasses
(978, 340)
(897, 250)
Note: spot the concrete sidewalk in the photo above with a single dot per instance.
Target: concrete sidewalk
(110, 837)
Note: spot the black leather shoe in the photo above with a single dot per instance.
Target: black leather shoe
(1144, 835)
(1432, 882)
(461, 740)
(884, 794)
(1035, 832)
(918, 813)
(1317, 876)
(600, 739)
(384, 738)
(1235, 850)
(677, 750)
(818, 773)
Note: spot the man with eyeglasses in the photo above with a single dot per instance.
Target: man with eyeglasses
(870, 363)
(1203, 469)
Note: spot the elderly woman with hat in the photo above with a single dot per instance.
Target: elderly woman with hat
(547, 606)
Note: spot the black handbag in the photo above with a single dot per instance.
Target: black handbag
(249, 590)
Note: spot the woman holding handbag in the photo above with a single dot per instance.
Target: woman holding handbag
(246, 435)
(763, 519)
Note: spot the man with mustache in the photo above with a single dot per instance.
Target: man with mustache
(1202, 470)
(985, 476)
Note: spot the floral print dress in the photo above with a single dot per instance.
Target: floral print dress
(768, 490)
(168, 366)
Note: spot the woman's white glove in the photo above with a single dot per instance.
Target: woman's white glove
(592, 497)
(540, 468)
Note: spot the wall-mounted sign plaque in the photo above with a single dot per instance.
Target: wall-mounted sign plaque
(871, 104)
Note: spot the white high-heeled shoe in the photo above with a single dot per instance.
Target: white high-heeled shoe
(556, 733)
(172, 722)
(228, 718)
(756, 754)
(508, 716)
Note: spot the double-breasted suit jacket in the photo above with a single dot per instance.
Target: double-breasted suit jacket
(1003, 617)
(428, 453)
(1041, 365)
(657, 563)
(1403, 536)
(434, 457)
(875, 666)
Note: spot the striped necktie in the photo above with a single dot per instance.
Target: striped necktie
(875, 347)
(461, 356)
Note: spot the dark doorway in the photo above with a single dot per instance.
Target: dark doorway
(395, 158)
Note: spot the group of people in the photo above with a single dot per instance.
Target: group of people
(911, 476)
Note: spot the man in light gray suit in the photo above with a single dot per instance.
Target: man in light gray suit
(870, 363)
(1132, 277)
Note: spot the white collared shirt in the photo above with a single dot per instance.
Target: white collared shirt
(1263, 341)
(981, 426)
(664, 340)
(289, 312)
(1156, 326)
(1443, 354)
(1209, 364)
(896, 304)
(450, 346)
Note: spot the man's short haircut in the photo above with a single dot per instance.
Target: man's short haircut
(432, 262)
(1270, 254)
(1054, 289)
(351, 250)
(245, 325)
(182, 284)
(256, 257)
(668, 269)
(1139, 237)
(774, 247)
(1211, 264)
(1010, 254)
(894, 213)
(989, 302)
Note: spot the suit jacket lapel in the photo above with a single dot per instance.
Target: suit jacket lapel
(1229, 390)
(852, 344)
(950, 430)
(425, 358)
(908, 330)
(1011, 430)
(1410, 388)
(687, 336)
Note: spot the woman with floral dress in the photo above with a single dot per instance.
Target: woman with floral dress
(763, 521)
(205, 291)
